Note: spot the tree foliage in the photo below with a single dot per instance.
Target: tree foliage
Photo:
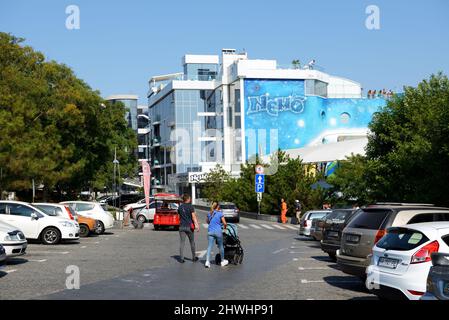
(407, 151)
(53, 127)
(290, 181)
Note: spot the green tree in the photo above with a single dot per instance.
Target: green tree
(52, 126)
(407, 151)
(214, 184)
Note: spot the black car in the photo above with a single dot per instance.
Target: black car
(333, 226)
(438, 278)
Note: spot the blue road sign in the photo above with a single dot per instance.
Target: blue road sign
(260, 183)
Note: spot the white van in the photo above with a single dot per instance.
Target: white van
(36, 224)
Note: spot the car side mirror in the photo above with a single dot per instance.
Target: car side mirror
(34, 216)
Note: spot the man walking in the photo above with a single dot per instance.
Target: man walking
(188, 224)
(283, 211)
(298, 208)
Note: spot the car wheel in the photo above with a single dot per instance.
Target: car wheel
(333, 256)
(51, 236)
(237, 220)
(84, 231)
(156, 228)
(100, 228)
(142, 219)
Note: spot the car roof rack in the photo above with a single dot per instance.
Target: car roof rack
(404, 204)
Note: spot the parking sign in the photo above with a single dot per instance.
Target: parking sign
(260, 183)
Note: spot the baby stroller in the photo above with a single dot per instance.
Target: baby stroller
(233, 250)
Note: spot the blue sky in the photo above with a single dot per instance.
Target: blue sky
(121, 44)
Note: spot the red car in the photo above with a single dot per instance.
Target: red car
(167, 213)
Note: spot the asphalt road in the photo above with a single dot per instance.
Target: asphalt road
(142, 264)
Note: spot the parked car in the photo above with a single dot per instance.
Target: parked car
(230, 211)
(438, 279)
(368, 227)
(165, 216)
(401, 260)
(316, 230)
(137, 204)
(36, 224)
(332, 229)
(305, 224)
(13, 240)
(87, 225)
(142, 214)
(123, 199)
(95, 211)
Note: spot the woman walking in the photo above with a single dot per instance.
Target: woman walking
(215, 219)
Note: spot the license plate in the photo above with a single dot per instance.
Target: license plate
(446, 289)
(388, 263)
(352, 238)
(333, 234)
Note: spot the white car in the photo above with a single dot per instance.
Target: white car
(56, 209)
(137, 204)
(13, 240)
(401, 260)
(306, 221)
(36, 224)
(142, 214)
(95, 211)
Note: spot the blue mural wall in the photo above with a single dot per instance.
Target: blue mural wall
(299, 119)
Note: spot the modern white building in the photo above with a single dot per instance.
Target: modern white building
(225, 110)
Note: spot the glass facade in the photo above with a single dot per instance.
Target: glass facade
(201, 71)
(131, 111)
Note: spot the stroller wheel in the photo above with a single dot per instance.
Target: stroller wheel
(241, 258)
(236, 259)
(217, 259)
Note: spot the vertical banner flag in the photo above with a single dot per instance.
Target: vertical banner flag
(146, 181)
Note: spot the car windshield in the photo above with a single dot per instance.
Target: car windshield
(402, 239)
(316, 215)
(227, 206)
(370, 219)
(338, 214)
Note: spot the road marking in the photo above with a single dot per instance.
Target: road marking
(200, 254)
(83, 247)
(280, 250)
(255, 226)
(243, 226)
(10, 271)
(329, 281)
(312, 268)
(279, 227)
(41, 260)
(267, 226)
(291, 227)
(45, 252)
(293, 252)
(205, 225)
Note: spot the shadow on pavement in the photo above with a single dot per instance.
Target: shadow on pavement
(16, 261)
(323, 258)
(346, 283)
(2, 274)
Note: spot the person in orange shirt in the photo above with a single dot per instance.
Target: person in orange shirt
(283, 211)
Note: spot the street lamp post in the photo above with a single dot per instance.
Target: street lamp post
(116, 163)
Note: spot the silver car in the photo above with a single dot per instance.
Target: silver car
(306, 221)
(230, 211)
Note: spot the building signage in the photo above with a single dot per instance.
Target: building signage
(197, 177)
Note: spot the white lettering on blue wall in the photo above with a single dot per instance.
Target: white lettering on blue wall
(276, 105)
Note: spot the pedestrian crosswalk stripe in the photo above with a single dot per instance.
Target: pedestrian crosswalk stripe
(267, 226)
(255, 226)
(291, 227)
(205, 225)
(243, 226)
(279, 227)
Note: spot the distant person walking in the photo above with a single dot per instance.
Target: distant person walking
(188, 224)
(298, 208)
(283, 211)
(215, 219)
